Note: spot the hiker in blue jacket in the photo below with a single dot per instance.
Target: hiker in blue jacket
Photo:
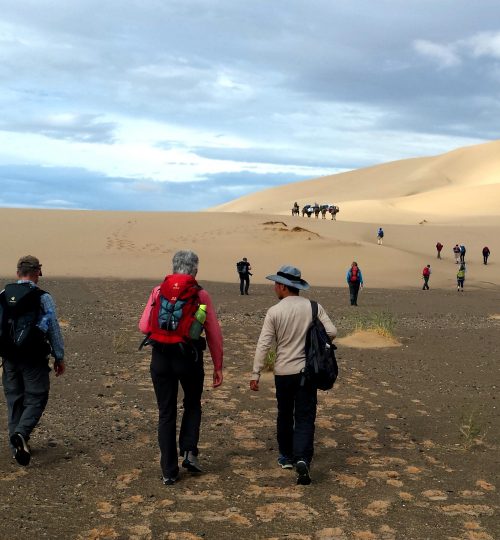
(380, 236)
(25, 376)
(354, 279)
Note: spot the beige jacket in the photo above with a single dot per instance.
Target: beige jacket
(286, 324)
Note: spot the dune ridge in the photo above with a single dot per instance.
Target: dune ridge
(461, 184)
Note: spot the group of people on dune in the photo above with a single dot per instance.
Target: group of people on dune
(459, 251)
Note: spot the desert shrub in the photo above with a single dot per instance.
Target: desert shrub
(381, 322)
(471, 430)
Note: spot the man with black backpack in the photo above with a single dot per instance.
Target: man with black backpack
(288, 323)
(243, 268)
(29, 333)
(176, 313)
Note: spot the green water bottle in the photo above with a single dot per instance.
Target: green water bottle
(200, 318)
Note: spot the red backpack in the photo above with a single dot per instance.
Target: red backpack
(426, 272)
(172, 314)
(354, 274)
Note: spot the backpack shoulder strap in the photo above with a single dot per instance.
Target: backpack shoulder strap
(314, 307)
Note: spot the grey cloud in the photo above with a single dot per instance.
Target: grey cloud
(49, 187)
(274, 156)
(280, 75)
(67, 126)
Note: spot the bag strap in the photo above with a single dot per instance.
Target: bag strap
(314, 307)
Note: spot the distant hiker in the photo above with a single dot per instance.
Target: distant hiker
(243, 268)
(380, 236)
(29, 334)
(486, 254)
(354, 279)
(307, 210)
(175, 314)
(456, 253)
(439, 247)
(334, 210)
(462, 253)
(461, 277)
(295, 209)
(426, 274)
(286, 323)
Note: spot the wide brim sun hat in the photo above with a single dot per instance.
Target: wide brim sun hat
(289, 276)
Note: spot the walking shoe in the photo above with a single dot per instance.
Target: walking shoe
(191, 463)
(285, 462)
(22, 451)
(170, 480)
(302, 469)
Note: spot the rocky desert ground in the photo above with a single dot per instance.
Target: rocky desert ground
(407, 442)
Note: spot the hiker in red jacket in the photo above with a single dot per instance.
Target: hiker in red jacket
(439, 247)
(178, 358)
(426, 274)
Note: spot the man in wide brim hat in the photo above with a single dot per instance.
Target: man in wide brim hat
(289, 276)
(287, 323)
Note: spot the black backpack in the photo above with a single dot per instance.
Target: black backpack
(241, 267)
(20, 337)
(321, 365)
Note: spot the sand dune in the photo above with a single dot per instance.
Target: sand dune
(453, 198)
(443, 189)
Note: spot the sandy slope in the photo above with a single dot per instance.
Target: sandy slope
(448, 188)
(123, 244)
(453, 198)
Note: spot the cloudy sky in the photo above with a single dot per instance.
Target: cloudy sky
(184, 104)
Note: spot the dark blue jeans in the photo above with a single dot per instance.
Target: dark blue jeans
(296, 417)
(244, 283)
(353, 292)
(171, 365)
(26, 386)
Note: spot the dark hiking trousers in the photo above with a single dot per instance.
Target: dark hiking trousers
(426, 283)
(26, 386)
(171, 365)
(244, 283)
(353, 292)
(296, 417)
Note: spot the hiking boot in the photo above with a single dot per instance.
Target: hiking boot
(170, 480)
(302, 469)
(285, 462)
(191, 463)
(22, 452)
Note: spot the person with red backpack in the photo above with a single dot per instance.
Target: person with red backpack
(426, 274)
(355, 281)
(176, 313)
